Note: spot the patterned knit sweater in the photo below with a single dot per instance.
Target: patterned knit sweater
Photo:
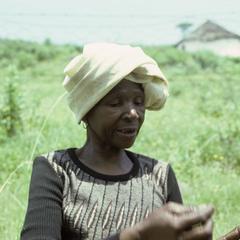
(68, 200)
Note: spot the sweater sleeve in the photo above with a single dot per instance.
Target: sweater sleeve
(43, 218)
(173, 191)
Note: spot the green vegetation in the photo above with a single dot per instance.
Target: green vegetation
(198, 131)
(10, 111)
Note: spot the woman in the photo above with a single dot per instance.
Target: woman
(101, 190)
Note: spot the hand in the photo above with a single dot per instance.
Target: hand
(173, 222)
(233, 235)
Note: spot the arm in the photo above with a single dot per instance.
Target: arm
(44, 213)
(173, 191)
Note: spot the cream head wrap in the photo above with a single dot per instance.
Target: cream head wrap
(101, 66)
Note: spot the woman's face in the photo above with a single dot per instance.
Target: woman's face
(116, 120)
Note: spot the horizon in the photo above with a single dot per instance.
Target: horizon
(112, 20)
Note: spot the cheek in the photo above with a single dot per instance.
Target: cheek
(107, 122)
(142, 116)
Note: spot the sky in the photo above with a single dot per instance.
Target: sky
(127, 21)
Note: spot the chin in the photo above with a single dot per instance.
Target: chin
(122, 142)
(124, 145)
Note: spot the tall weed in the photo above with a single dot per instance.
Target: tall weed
(10, 111)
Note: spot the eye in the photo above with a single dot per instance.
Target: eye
(139, 101)
(114, 103)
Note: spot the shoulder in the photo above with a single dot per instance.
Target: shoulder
(150, 163)
(156, 171)
(58, 160)
(159, 169)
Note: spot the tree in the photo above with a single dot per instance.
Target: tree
(184, 27)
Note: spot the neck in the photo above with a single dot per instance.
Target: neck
(98, 150)
(101, 152)
(104, 158)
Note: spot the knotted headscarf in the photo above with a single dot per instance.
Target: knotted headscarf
(101, 66)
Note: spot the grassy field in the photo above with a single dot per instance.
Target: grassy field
(198, 131)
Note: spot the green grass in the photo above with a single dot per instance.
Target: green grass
(198, 131)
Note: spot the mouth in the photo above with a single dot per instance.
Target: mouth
(128, 131)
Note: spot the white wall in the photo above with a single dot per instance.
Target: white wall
(226, 47)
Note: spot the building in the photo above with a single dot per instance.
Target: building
(212, 37)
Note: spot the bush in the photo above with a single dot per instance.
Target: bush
(10, 112)
(25, 60)
(26, 54)
(169, 56)
(207, 60)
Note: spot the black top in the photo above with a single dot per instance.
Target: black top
(68, 200)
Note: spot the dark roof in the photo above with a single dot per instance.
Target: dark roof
(209, 31)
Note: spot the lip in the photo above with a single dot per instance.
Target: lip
(127, 131)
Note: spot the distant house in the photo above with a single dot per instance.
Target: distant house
(212, 37)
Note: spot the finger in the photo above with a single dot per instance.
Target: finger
(178, 209)
(200, 216)
(201, 232)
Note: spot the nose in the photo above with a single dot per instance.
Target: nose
(131, 113)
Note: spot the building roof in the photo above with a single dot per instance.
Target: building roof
(209, 31)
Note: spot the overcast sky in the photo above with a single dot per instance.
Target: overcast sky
(126, 20)
(122, 6)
